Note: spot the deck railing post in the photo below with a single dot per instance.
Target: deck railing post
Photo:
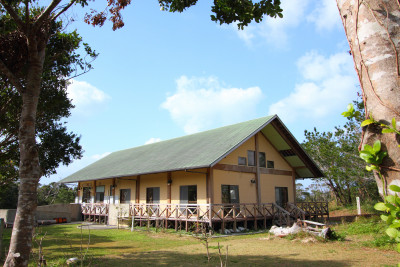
(234, 218)
(210, 215)
(223, 219)
(255, 217)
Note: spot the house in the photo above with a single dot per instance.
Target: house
(241, 173)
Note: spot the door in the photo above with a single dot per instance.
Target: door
(281, 196)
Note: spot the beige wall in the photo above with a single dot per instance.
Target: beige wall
(264, 146)
(247, 190)
(241, 151)
(125, 183)
(188, 178)
(179, 178)
(153, 180)
(269, 182)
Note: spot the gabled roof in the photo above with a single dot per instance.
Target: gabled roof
(200, 150)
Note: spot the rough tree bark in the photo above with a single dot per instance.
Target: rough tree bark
(373, 31)
(29, 168)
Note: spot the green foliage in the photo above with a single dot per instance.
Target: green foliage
(314, 192)
(351, 112)
(56, 145)
(374, 156)
(228, 11)
(336, 153)
(336, 236)
(8, 196)
(55, 193)
(391, 207)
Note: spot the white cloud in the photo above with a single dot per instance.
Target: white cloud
(329, 84)
(200, 103)
(275, 30)
(86, 97)
(152, 140)
(325, 16)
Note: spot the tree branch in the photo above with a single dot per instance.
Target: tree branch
(390, 168)
(64, 9)
(4, 69)
(45, 14)
(14, 15)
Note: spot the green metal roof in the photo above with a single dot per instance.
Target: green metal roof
(199, 150)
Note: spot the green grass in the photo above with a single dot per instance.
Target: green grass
(366, 207)
(372, 230)
(166, 247)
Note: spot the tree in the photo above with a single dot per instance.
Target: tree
(373, 30)
(336, 153)
(24, 65)
(55, 193)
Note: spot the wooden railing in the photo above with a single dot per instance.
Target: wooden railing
(202, 212)
(281, 216)
(95, 209)
(215, 213)
(314, 209)
(206, 213)
(296, 212)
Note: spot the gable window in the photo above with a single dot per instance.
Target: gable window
(230, 194)
(261, 159)
(152, 195)
(100, 194)
(251, 157)
(242, 161)
(188, 194)
(270, 164)
(124, 196)
(86, 195)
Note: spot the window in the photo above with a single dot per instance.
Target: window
(100, 194)
(242, 161)
(230, 194)
(251, 158)
(261, 159)
(188, 194)
(270, 164)
(86, 195)
(153, 195)
(124, 196)
(281, 196)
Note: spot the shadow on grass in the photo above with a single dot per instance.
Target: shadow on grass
(168, 258)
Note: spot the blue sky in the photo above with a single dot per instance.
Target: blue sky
(166, 75)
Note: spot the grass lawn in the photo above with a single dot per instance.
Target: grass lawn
(148, 248)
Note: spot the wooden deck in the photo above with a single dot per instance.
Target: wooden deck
(214, 216)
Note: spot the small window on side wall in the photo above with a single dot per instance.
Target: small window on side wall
(242, 161)
(251, 157)
(270, 164)
(261, 159)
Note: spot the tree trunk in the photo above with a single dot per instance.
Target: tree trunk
(29, 168)
(373, 32)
